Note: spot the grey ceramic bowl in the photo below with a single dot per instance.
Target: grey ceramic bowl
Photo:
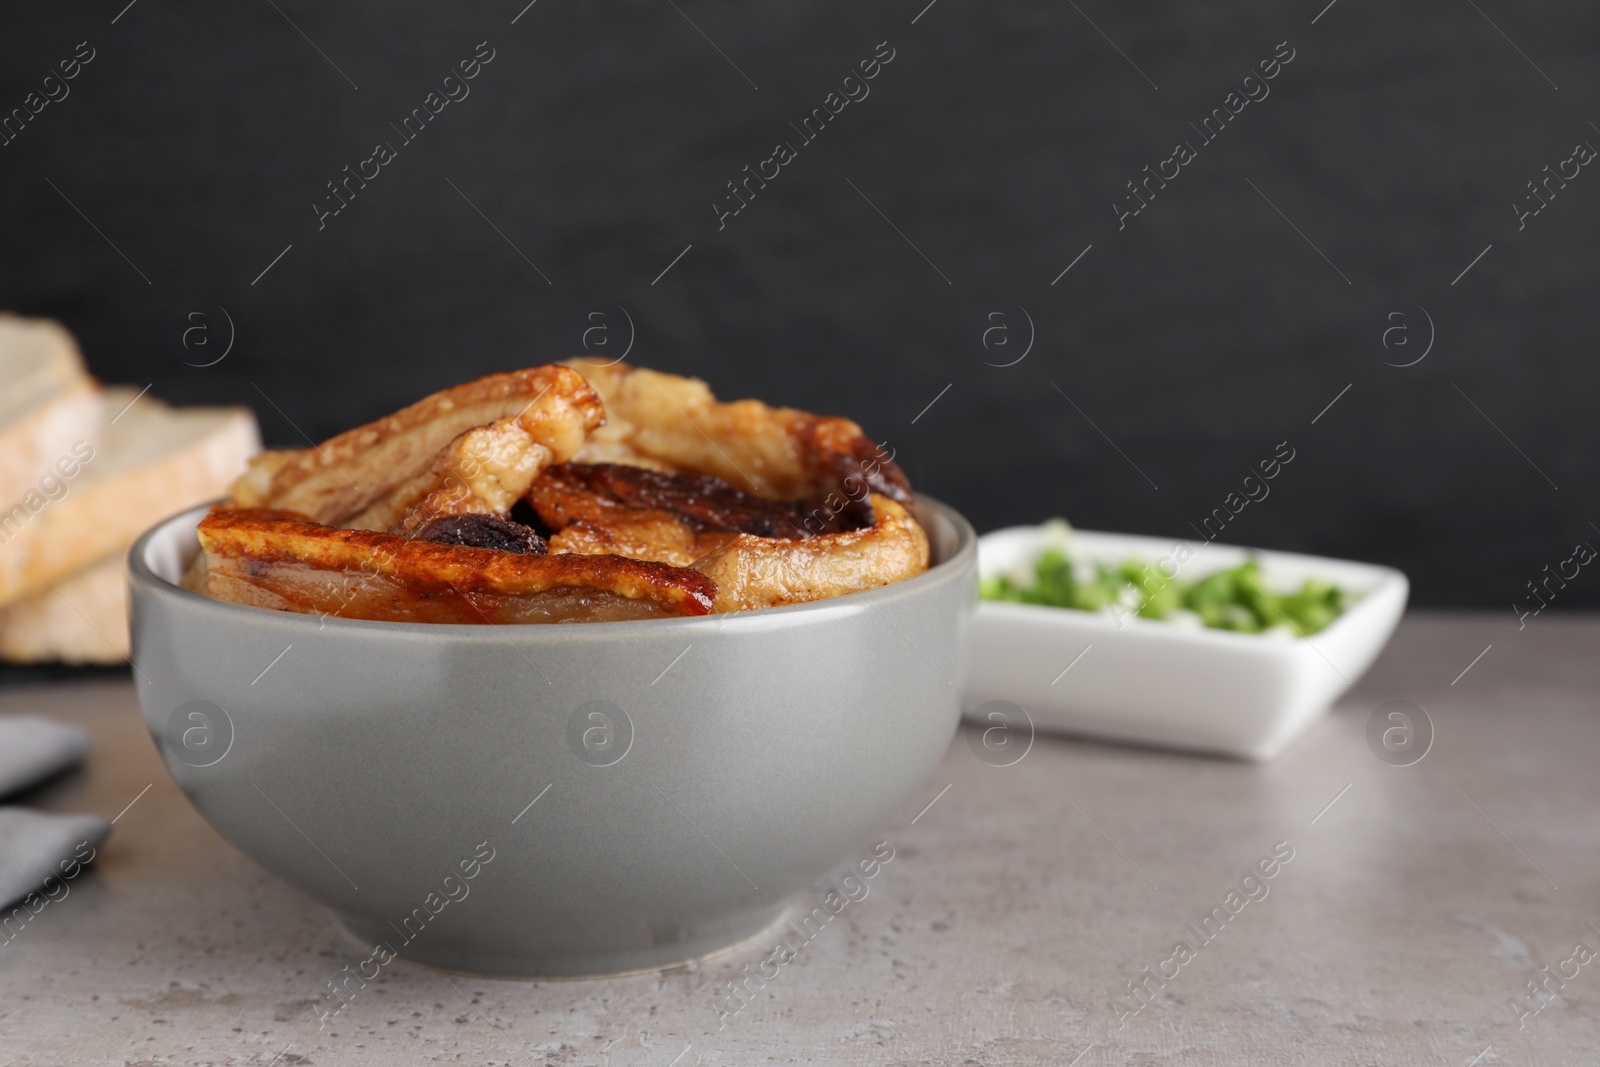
(645, 792)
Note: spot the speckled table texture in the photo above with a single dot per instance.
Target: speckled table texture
(1031, 913)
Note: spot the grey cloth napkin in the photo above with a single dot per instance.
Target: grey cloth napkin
(44, 852)
(38, 851)
(33, 748)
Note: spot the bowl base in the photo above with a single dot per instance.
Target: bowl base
(607, 963)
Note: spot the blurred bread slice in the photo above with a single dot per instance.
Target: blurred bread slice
(82, 620)
(48, 402)
(151, 460)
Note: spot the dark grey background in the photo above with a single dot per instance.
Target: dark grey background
(1195, 339)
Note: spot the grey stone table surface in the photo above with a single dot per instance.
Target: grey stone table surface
(1021, 903)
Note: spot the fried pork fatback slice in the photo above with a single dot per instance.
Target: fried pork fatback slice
(752, 571)
(482, 472)
(664, 420)
(469, 449)
(641, 533)
(647, 514)
(763, 572)
(698, 521)
(279, 560)
(570, 491)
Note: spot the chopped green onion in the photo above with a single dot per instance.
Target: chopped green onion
(1233, 599)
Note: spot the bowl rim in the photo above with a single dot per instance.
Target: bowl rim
(964, 558)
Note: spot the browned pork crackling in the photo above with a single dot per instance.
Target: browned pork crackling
(565, 493)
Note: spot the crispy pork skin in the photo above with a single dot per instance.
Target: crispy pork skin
(657, 498)
(762, 553)
(762, 572)
(750, 571)
(279, 560)
(484, 531)
(473, 448)
(569, 491)
(664, 420)
(646, 514)
(654, 535)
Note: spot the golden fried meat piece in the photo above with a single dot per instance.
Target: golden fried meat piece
(667, 421)
(646, 514)
(647, 534)
(701, 523)
(474, 448)
(569, 491)
(279, 560)
(483, 531)
(764, 572)
(482, 472)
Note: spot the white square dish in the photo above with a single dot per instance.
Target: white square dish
(1156, 682)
